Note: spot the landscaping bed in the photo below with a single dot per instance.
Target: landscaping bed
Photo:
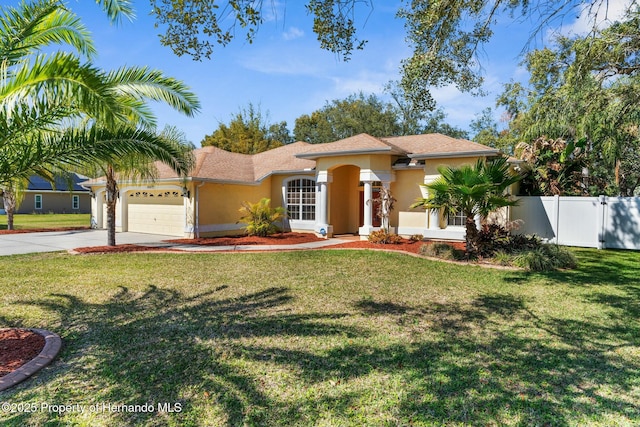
(17, 347)
(405, 245)
(290, 238)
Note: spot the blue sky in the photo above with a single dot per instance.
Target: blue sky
(286, 73)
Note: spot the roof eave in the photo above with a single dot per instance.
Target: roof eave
(315, 155)
(453, 154)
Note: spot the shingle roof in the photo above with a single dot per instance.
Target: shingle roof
(358, 144)
(282, 159)
(437, 145)
(215, 164)
(37, 183)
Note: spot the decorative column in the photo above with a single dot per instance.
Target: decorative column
(368, 205)
(368, 176)
(323, 178)
(97, 209)
(433, 218)
(123, 208)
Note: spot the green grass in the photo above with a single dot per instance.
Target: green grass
(330, 338)
(27, 221)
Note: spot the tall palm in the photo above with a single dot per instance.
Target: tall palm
(134, 138)
(53, 107)
(473, 190)
(38, 91)
(138, 147)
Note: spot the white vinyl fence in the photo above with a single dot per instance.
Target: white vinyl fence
(596, 222)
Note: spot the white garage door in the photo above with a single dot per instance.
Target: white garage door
(156, 212)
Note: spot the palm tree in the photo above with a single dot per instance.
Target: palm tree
(139, 147)
(38, 91)
(473, 190)
(55, 109)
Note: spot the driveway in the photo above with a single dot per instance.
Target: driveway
(24, 243)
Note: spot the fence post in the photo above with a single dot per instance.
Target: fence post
(602, 236)
(556, 218)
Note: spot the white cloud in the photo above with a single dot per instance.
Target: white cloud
(365, 81)
(293, 33)
(279, 62)
(598, 14)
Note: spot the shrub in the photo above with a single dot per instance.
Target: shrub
(382, 237)
(545, 258)
(493, 238)
(502, 258)
(416, 238)
(260, 218)
(441, 250)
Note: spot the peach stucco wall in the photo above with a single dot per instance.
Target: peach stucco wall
(363, 161)
(220, 203)
(405, 189)
(431, 165)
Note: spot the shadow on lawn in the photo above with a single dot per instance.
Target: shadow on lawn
(609, 278)
(483, 371)
(157, 347)
(490, 361)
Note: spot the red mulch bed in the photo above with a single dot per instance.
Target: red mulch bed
(41, 230)
(275, 239)
(121, 248)
(278, 239)
(405, 245)
(17, 347)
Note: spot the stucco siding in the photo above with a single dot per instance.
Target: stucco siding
(373, 162)
(54, 202)
(431, 165)
(219, 205)
(405, 189)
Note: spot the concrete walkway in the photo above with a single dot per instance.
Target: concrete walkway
(52, 241)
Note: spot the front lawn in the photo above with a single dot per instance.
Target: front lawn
(46, 221)
(331, 337)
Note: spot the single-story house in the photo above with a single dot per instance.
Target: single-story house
(64, 196)
(325, 188)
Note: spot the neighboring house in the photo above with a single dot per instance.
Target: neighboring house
(323, 187)
(41, 197)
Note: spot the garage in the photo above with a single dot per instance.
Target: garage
(157, 212)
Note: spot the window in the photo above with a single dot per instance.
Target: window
(459, 219)
(38, 202)
(75, 202)
(301, 199)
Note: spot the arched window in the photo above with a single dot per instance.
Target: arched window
(301, 199)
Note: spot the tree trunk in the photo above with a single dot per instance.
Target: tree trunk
(112, 198)
(471, 236)
(9, 205)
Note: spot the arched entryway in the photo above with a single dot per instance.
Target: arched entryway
(344, 200)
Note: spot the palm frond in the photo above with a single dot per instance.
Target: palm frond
(30, 27)
(142, 83)
(118, 9)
